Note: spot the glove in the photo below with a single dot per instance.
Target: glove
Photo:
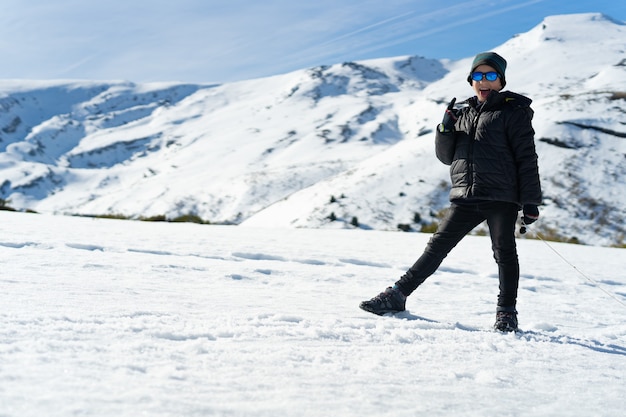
(531, 213)
(449, 118)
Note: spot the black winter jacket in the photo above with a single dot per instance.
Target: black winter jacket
(491, 153)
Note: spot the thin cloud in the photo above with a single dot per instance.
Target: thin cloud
(439, 28)
(404, 28)
(218, 41)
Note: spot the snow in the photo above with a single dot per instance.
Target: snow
(125, 318)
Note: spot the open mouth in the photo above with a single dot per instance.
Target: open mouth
(484, 92)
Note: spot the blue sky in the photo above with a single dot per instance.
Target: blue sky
(227, 40)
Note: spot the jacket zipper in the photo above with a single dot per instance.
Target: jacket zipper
(470, 156)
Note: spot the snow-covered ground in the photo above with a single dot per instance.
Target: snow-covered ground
(123, 318)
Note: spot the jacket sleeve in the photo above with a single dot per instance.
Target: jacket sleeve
(445, 144)
(521, 137)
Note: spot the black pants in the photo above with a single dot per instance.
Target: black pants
(459, 221)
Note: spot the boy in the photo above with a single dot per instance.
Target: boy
(489, 145)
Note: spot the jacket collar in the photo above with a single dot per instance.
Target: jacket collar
(497, 99)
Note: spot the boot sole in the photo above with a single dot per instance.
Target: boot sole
(379, 312)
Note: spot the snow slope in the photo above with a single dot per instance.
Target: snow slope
(125, 318)
(350, 141)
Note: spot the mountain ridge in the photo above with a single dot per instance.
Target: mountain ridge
(331, 146)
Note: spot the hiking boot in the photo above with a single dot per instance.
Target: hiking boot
(506, 321)
(389, 301)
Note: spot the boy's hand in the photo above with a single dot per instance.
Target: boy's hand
(449, 118)
(531, 213)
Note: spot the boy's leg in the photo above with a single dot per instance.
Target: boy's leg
(501, 219)
(457, 223)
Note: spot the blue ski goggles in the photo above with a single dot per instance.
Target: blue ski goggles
(489, 76)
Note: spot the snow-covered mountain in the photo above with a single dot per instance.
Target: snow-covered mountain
(332, 146)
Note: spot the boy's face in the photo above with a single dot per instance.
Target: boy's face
(483, 87)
